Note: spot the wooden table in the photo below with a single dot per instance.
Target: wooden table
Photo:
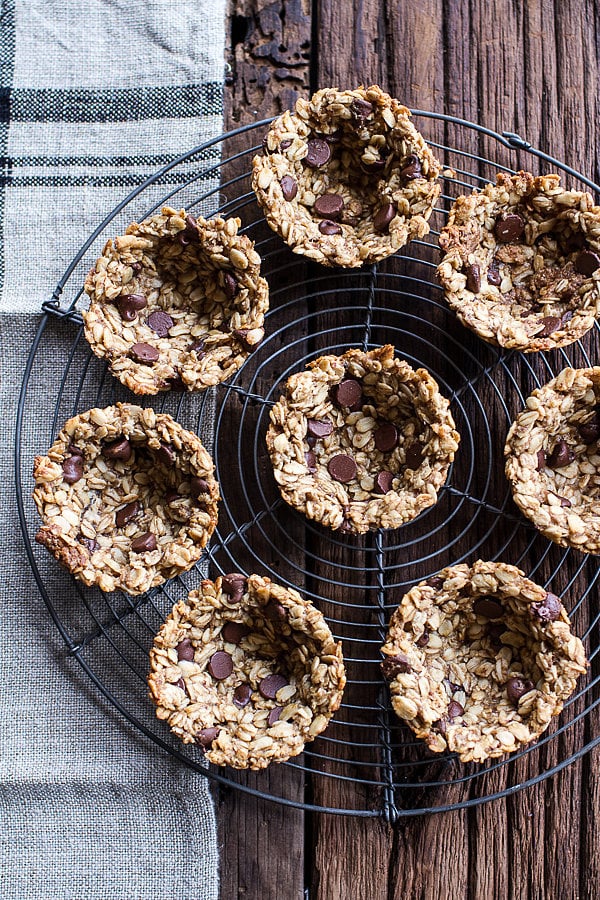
(529, 68)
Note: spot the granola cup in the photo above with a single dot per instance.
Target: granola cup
(480, 659)
(127, 498)
(522, 262)
(347, 179)
(246, 669)
(361, 441)
(553, 459)
(177, 303)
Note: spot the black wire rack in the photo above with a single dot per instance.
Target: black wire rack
(366, 763)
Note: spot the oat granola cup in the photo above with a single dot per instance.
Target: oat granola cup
(553, 459)
(246, 669)
(522, 262)
(361, 441)
(346, 179)
(479, 659)
(177, 303)
(127, 498)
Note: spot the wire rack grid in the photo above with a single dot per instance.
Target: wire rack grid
(366, 763)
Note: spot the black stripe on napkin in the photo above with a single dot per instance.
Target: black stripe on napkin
(7, 61)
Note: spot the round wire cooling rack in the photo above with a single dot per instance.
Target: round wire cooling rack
(366, 763)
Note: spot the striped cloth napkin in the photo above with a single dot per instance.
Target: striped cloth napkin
(96, 95)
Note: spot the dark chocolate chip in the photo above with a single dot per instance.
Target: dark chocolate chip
(220, 665)
(392, 666)
(91, 544)
(198, 486)
(541, 460)
(493, 274)
(383, 482)
(197, 347)
(495, 631)
(230, 285)
(473, 278)
(454, 710)
(136, 268)
(165, 454)
(335, 137)
(72, 469)
(207, 736)
(549, 609)
(144, 353)
(311, 461)
(119, 449)
(176, 384)
(342, 468)
(509, 227)
(329, 206)
(517, 688)
(144, 543)
(284, 145)
(488, 607)
(171, 496)
(441, 725)
(372, 165)
(130, 304)
(276, 612)
(319, 428)
(561, 455)
(386, 437)
(180, 683)
(311, 440)
(160, 322)
(327, 226)
(233, 632)
(269, 686)
(185, 650)
(436, 582)
(348, 392)
(318, 153)
(423, 640)
(274, 715)
(241, 695)
(191, 227)
(74, 450)
(242, 335)
(289, 187)
(414, 455)
(234, 585)
(384, 216)
(551, 324)
(411, 168)
(127, 513)
(589, 431)
(587, 262)
(564, 502)
(361, 109)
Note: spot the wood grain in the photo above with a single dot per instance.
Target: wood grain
(530, 68)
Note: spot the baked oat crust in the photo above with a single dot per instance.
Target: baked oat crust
(369, 153)
(127, 498)
(218, 653)
(393, 397)
(519, 261)
(200, 308)
(480, 659)
(553, 459)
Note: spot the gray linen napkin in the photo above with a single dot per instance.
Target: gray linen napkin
(95, 96)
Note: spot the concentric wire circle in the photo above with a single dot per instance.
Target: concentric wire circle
(366, 763)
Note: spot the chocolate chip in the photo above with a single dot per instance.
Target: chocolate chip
(91, 544)
(311, 461)
(436, 582)
(473, 278)
(233, 632)
(386, 437)
(274, 715)
(234, 585)
(197, 347)
(454, 710)
(495, 631)
(185, 650)
(551, 324)
(335, 137)
(372, 165)
(127, 513)
(587, 262)
(329, 206)
(383, 482)
(589, 431)
(517, 688)
(165, 454)
(392, 666)
(191, 229)
(488, 607)
(160, 322)
(414, 455)
(361, 109)
(289, 187)
(564, 502)
(72, 469)
(220, 665)
(541, 460)
(269, 686)
(566, 317)
(319, 428)
(284, 145)
(176, 384)
(145, 543)
(311, 440)
(549, 609)
(423, 640)
(207, 736)
(441, 725)
(509, 227)
(230, 285)
(242, 335)
(411, 168)
(136, 268)
(342, 468)
(171, 496)
(119, 449)
(493, 273)
(130, 304)
(241, 695)
(143, 353)
(561, 455)
(318, 153)
(348, 392)
(276, 612)
(198, 486)
(327, 226)
(180, 683)
(384, 216)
